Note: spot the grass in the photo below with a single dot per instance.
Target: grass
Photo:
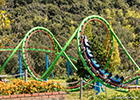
(59, 80)
(88, 94)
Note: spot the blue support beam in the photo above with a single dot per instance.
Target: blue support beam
(47, 65)
(98, 87)
(20, 65)
(137, 81)
(69, 69)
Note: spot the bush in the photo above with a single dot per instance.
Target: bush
(72, 79)
(132, 95)
(20, 87)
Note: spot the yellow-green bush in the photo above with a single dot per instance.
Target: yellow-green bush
(132, 95)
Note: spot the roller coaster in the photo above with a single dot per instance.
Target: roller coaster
(97, 70)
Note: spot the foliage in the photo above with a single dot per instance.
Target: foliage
(101, 96)
(115, 59)
(82, 72)
(4, 19)
(20, 87)
(4, 24)
(133, 95)
(72, 79)
(62, 17)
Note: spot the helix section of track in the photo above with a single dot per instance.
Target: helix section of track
(95, 69)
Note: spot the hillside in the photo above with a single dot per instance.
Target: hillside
(62, 17)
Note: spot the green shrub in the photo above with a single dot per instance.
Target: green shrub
(132, 95)
(72, 79)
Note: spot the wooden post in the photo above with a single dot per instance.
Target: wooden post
(81, 85)
(25, 75)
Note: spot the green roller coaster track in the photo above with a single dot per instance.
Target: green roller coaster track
(62, 52)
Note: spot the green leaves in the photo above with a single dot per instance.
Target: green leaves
(4, 16)
(3, 12)
(62, 18)
(115, 58)
(4, 19)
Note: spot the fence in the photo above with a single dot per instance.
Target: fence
(80, 82)
(107, 91)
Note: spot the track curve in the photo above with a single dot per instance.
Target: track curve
(96, 70)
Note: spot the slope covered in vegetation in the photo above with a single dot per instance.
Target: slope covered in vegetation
(62, 17)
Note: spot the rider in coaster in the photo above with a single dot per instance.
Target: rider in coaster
(96, 65)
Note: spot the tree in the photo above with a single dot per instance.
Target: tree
(4, 16)
(62, 17)
(115, 57)
(4, 24)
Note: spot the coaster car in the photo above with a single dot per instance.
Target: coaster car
(116, 79)
(86, 43)
(89, 53)
(95, 65)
